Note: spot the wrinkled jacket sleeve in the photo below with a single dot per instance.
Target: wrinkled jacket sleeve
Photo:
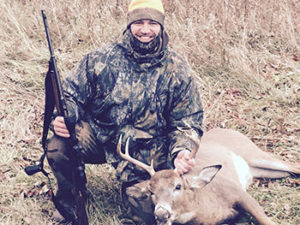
(77, 90)
(185, 112)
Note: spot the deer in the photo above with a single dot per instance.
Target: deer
(215, 190)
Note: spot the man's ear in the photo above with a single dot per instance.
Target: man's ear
(205, 176)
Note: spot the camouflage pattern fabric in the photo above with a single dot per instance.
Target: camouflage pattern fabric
(116, 90)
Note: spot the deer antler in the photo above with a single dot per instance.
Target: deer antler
(126, 156)
(193, 136)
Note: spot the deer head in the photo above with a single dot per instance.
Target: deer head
(171, 193)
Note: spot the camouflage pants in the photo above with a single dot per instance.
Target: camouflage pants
(135, 198)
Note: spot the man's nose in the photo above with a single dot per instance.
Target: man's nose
(145, 28)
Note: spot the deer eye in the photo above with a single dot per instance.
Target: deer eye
(144, 196)
(178, 187)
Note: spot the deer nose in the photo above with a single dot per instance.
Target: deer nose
(162, 215)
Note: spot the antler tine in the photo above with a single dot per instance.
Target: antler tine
(119, 151)
(126, 156)
(196, 140)
(191, 134)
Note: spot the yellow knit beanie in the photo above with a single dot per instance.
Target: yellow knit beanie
(146, 9)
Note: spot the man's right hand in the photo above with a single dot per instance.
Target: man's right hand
(60, 127)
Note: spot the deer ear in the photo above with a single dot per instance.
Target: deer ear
(133, 191)
(138, 190)
(205, 176)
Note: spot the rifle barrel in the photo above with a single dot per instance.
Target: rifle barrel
(58, 92)
(47, 33)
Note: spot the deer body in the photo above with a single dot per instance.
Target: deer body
(215, 189)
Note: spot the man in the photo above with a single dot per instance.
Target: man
(136, 88)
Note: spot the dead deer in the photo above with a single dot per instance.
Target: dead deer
(214, 191)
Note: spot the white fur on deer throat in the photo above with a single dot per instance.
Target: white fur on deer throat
(242, 169)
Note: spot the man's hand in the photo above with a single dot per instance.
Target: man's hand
(183, 162)
(60, 127)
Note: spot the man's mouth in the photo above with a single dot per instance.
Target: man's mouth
(145, 38)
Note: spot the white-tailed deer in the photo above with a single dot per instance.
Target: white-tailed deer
(215, 189)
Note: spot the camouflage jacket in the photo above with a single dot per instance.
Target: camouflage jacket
(146, 100)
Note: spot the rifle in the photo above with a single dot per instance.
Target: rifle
(55, 98)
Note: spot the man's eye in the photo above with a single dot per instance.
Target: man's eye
(153, 23)
(178, 187)
(138, 22)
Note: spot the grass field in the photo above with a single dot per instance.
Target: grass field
(244, 52)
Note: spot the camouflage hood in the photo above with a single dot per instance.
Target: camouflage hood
(149, 54)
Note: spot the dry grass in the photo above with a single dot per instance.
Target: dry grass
(244, 52)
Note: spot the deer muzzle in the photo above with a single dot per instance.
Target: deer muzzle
(162, 216)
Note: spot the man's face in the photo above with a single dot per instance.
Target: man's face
(145, 30)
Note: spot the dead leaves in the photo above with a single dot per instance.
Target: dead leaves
(263, 183)
(292, 182)
(296, 58)
(27, 220)
(3, 170)
(39, 189)
(3, 210)
(288, 182)
(287, 209)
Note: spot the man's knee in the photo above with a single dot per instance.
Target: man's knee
(56, 149)
(56, 154)
(91, 152)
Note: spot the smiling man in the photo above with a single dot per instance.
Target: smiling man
(137, 88)
(145, 30)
